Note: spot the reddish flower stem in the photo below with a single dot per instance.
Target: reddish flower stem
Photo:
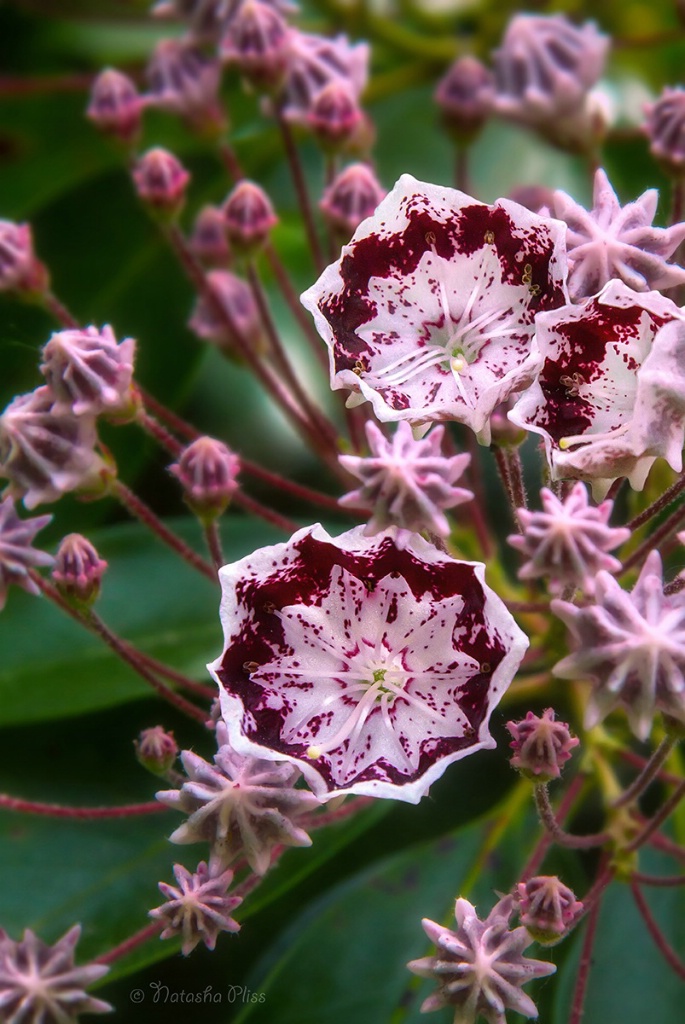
(160, 434)
(128, 945)
(585, 964)
(639, 762)
(267, 514)
(659, 818)
(651, 543)
(666, 845)
(300, 184)
(543, 844)
(504, 470)
(144, 513)
(175, 677)
(59, 311)
(213, 539)
(318, 820)
(297, 490)
(461, 169)
(660, 940)
(296, 307)
(664, 881)
(169, 417)
(665, 499)
(557, 833)
(21, 806)
(648, 773)
(231, 161)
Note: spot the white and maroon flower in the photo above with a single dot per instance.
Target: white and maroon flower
(370, 667)
(430, 312)
(613, 241)
(610, 397)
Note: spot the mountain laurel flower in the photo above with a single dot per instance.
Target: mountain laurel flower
(20, 271)
(610, 397)
(665, 129)
(16, 554)
(45, 453)
(568, 542)
(89, 373)
(115, 106)
(369, 666)
(41, 984)
(541, 746)
(480, 967)
(352, 196)
(613, 241)
(198, 907)
(207, 470)
(546, 66)
(313, 63)
(240, 805)
(406, 483)
(632, 647)
(547, 908)
(248, 216)
(429, 314)
(185, 80)
(78, 569)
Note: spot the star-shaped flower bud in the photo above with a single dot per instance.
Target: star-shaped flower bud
(369, 666)
(610, 397)
(567, 543)
(89, 373)
(665, 129)
(429, 314)
(547, 907)
(541, 746)
(41, 984)
(115, 106)
(480, 968)
(313, 63)
(613, 241)
(44, 453)
(16, 554)
(352, 196)
(406, 483)
(20, 271)
(185, 80)
(198, 908)
(632, 646)
(546, 65)
(241, 805)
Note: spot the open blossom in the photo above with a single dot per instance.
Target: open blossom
(614, 241)
(568, 542)
(41, 984)
(198, 908)
(89, 373)
(370, 667)
(480, 968)
(632, 645)
(406, 483)
(429, 314)
(16, 554)
(610, 397)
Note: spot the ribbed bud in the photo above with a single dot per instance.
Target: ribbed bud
(207, 470)
(20, 271)
(335, 115)
(161, 181)
(257, 42)
(89, 373)
(248, 216)
(115, 106)
(156, 749)
(209, 241)
(465, 96)
(78, 570)
(541, 746)
(547, 908)
(351, 197)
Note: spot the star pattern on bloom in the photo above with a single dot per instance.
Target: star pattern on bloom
(480, 967)
(369, 666)
(632, 646)
(568, 542)
(406, 482)
(613, 241)
(610, 397)
(198, 907)
(429, 314)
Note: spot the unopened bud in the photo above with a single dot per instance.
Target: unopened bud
(351, 198)
(207, 470)
(335, 115)
(257, 42)
(547, 907)
(665, 129)
(115, 106)
(466, 96)
(185, 80)
(161, 181)
(90, 373)
(248, 216)
(242, 316)
(20, 271)
(156, 750)
(541, 746)
(209, 241)
(78, 570)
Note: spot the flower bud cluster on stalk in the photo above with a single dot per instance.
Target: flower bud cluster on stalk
(530, 349)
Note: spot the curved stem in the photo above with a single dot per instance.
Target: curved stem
(669, 526)
(545, 841)
(21, 806)
(213, 539)
(55, 308)
(663, 881)
(161, 435)
(128, 945)
(257, 509)
(584, 966)
(660, 940)
(297, 490)
(562, 837)
(667, 498)
(659, 818)
(168, 416)
(648, 773)
(296, 307)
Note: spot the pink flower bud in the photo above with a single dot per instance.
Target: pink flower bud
(207, 470)
(541, 746)
(78, 570)
(465, 96)
(257, 42)
(160, 181)
(335, 115)
(236, 298)
(89, 373)
(665, 129)
(249, 216)
(351, 198)
(115, 106)
(16, 554)
(156, 749)
(209, 241)
(185, 81)
(20, 271)
(547, 908)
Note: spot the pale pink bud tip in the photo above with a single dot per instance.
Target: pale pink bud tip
(541, 746)
(248, 216)
(78, 569)
(547, 908)
(207, 470)
(156, 749)
(465, 97)
(161, 181)
(20, 271)
(115, 106)
(351, 198)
